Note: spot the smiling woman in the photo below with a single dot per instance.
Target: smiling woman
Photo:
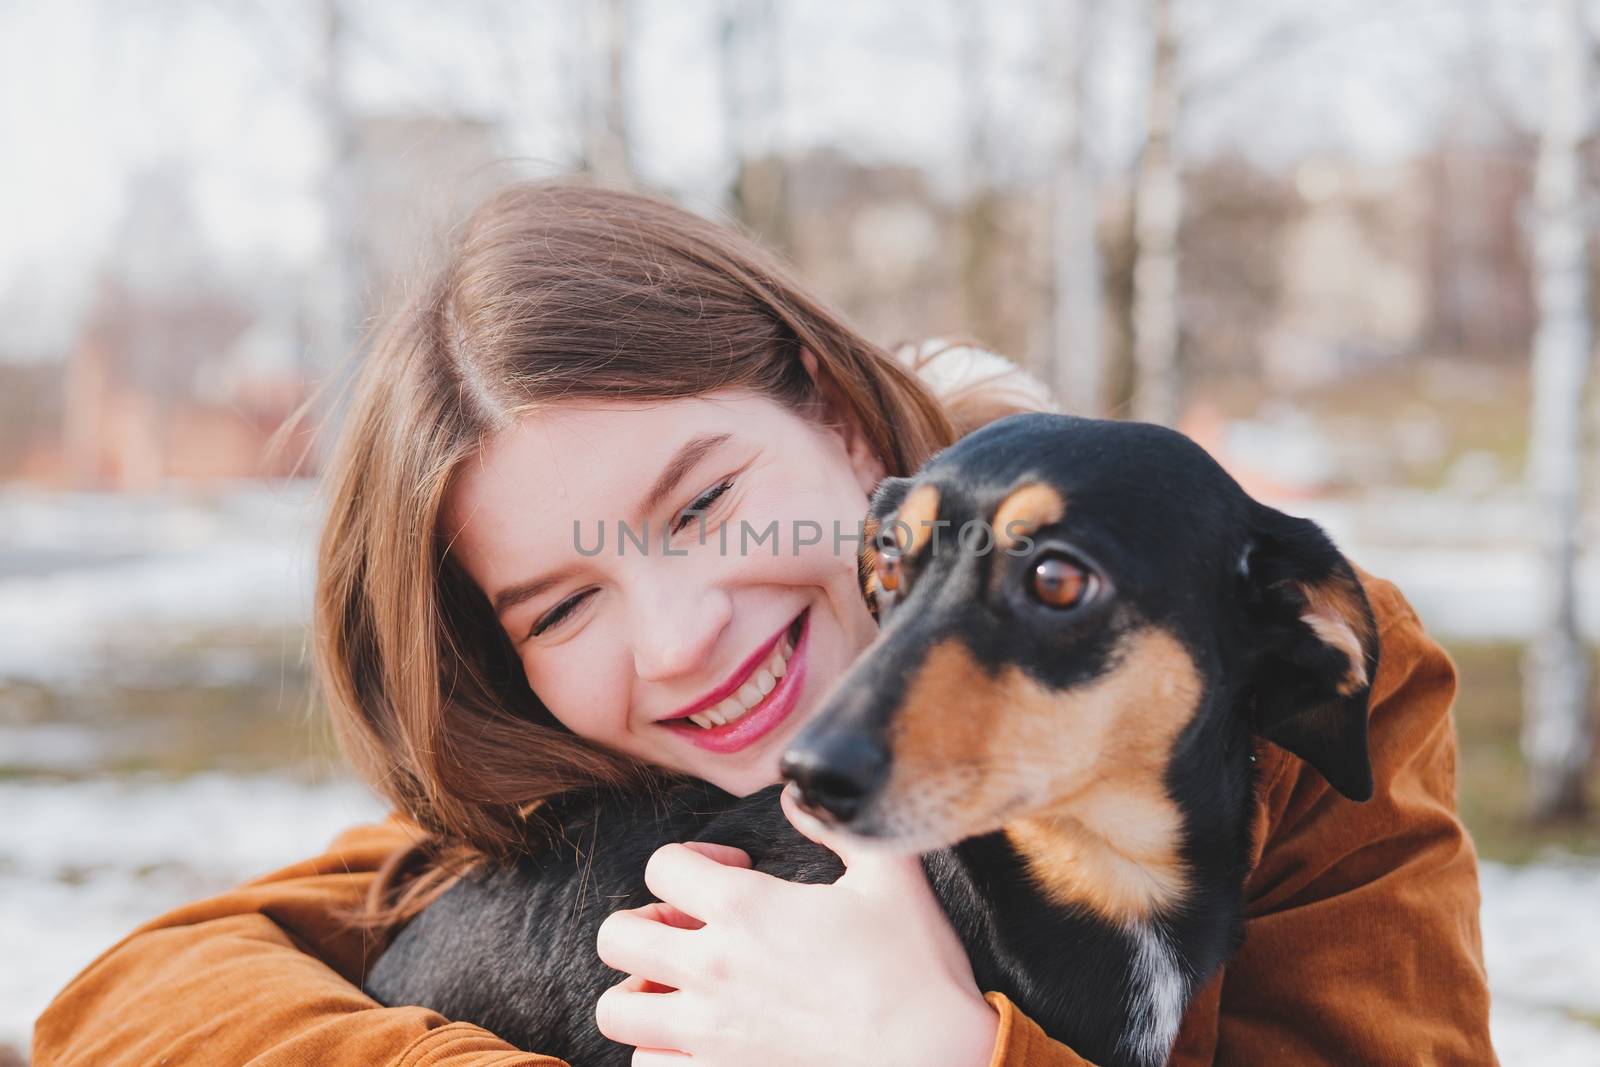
(480, 657)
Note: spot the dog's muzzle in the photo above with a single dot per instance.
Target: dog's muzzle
(836, 772)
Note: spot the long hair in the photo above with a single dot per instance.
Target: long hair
(552, 291)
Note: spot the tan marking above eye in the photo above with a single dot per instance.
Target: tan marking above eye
(1025, 510)
(1059, 582)
(913, 522)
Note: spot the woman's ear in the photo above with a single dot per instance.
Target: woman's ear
(1317, 648)
(864, 459)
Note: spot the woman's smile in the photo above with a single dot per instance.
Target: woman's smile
(763, 693)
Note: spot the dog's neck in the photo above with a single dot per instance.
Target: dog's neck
(1115, 863)
(1116, 852)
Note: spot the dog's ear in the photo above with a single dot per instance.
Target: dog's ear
(1317, 648)
(888, 495)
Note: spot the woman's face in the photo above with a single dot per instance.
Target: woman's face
(746, 614)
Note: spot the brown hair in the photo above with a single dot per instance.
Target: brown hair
(552, 290)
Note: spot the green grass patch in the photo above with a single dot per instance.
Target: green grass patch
(1492, 779)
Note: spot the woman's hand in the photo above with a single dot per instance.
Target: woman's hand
(735, 967)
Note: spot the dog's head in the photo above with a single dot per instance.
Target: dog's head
(1088, 615)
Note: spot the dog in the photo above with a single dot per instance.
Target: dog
(1086, 626)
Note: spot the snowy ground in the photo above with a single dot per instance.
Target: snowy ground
(95, 590)
(82, 863)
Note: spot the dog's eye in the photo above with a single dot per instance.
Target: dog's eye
(889, 572)
(1061, 583)
(888, 563)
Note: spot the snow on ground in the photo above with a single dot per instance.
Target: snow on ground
(86, 575)
(1541, 942)
(86, 862)
(83, 863)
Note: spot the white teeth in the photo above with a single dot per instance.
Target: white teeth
(752, 692)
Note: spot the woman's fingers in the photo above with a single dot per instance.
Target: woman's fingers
(668, 915)
(649, 1020)
(698, 885)
(727, 855)
(636, 984)
(658, 1057)
(637, 941)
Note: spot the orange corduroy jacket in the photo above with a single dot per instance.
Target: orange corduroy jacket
(1361, 947)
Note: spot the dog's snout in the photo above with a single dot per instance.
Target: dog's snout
(836, 773)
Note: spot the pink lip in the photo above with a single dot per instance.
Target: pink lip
(740, 675)
(765, 716)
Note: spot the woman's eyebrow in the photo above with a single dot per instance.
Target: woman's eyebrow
(678, 467)
(512, 595)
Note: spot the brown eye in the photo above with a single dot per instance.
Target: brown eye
(889, 571)
(1060, 582)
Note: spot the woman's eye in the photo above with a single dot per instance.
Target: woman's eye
(557, 613)
(701, 503)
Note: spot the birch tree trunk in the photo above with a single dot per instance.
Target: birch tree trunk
(751, 60)
(337, 304)
(1556, 733)
(978, 220)
(605, 123)
(1077, 350)
(1158, 210)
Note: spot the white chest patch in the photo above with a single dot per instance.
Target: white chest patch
(1156, 1006)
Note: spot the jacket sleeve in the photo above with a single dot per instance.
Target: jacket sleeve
(264, 974)
(1361, 933)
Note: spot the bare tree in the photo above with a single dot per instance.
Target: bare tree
(1158, 212)
(605, 116)
(341, 293)
(1556, 734)
(333, 307)
(753, 98)
(1078, 355)
(979, 224)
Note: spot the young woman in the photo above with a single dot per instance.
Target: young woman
(587, 356)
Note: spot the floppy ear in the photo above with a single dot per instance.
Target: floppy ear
(886, 499)
(1317, 648)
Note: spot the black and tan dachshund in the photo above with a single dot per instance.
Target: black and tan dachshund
(1091, 625)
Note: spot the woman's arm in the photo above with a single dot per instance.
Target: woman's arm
(267, 974)
(1361, 933)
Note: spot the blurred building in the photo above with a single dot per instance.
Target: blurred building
(185, 369)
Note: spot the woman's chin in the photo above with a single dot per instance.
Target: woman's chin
(750, 777)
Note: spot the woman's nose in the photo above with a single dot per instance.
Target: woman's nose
(674, 633)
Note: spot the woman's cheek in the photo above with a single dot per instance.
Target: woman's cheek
(586, 695)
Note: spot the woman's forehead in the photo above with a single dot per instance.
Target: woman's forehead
(583, 461)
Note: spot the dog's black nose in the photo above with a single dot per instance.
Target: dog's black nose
(835, 773)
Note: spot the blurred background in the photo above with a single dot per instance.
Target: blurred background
(1347, 246)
